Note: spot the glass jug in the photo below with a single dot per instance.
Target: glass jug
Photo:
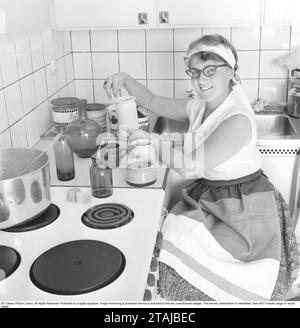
(82, 133)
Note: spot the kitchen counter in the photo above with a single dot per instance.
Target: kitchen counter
(82, 166)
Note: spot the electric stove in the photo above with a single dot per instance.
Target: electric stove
(100, 251)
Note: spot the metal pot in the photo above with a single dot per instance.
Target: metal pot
(24, 185)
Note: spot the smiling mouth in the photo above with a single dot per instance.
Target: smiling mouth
(205, 88)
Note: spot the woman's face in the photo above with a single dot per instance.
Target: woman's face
(214, 88)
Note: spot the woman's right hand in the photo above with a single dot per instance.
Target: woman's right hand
(114, 83)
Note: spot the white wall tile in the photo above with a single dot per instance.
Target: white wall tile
(37, 52)
(275, 37)
(40, 86)
(295, 37)
(13, 102)
(160, 65)
(82, 65)
(104, 40)
(18, 134)
(32, 127)
(104, 64)
(269, 67)
(84, 90)
(63, 92)
(23, 58)
(61, 73)
(134, 64)
(71, 89)
(43, 114)
(183, 37)
(8, 63)
(131, 40)
(67, 42)
(5, 139)
(246, 38)
(159, 40)
(69, 67)
(100, 94)
(52, 84)
(28, 93)
(181, 86)
(248, 64)
(162, 87)
(179, 66)
(59, 46)
(1, 83)
(251, 90)
(3, 113)
(80, 41)
(224, 31)
(273, 90)
(48, 46)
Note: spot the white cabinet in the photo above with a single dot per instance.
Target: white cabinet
(279, 12)
(209, 12)
(97, 14)
(89, 14)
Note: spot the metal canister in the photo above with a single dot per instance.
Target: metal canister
(64, 110)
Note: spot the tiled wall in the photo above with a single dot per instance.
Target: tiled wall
(155, 57)
(83, 59)
(28, 83)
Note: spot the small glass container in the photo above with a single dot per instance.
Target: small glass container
(64, 159)
(101, 180)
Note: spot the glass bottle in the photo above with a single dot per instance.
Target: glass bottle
(82, 133)
(64, 159)
(101, 180)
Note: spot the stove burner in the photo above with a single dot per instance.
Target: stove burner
(9, 261)
(107, 216)
(48, 216)
(77, 267)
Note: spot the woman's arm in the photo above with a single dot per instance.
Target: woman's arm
(172, 108)
(231, 136)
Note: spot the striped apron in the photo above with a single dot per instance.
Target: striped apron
(228, 241)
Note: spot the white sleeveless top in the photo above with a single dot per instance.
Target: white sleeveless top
(246, 160)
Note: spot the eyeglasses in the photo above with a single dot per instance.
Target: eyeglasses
(208, 71)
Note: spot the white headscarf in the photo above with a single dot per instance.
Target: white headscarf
(226, 54)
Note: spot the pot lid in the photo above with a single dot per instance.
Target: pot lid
(65, 101)
(95, 107)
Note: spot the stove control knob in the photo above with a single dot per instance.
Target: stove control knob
(147, 296)
(154, 265)
(151, 280)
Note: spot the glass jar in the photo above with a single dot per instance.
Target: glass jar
(97, 112)
(294, 95)
(101, 180)
(64, 159)
(82, 133)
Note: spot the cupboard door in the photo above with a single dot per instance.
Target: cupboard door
(83, 14)
(285, 12)
(210, 12)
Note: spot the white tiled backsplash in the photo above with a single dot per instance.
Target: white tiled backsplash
(28, 83)
(154, 57)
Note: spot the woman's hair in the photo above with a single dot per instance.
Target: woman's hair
(214, 39)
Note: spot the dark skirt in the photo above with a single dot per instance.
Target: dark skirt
(213, 199)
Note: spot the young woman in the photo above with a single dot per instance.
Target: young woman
(230, 237)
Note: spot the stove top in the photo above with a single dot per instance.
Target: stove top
(121, 276)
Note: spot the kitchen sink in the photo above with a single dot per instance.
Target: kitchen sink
(268, 125)
(168, 126)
